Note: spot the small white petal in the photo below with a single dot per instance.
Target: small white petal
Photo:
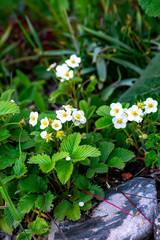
(81, 204)
(68, 158)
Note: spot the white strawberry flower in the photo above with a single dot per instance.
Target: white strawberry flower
(125, 112)
(120, 122)
(78, 117)
(81, 204)
(56, 125)
(52, 66)
(64, 72)
(69, 107)
(44, 123)
(116, 110)
(68, 158)
(12, 101)
(74, 61)
(68, 74)
(64, 116)
(33, 118)
(45, 135)
(60, 69)
(135, 114)
(150, 105)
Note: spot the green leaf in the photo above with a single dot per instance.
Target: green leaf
(116, 162)
(61, 210)
(152, 7)
(84, 151)
(39, 226)
(87, 206)
(44, 202)
(17, 117)
(90, 173)
(105, 148)
(27, 202)
(123, 154)
(64, 170)
(73, 213)
(151, 157)
(9, 218)
(23, 78)
(121, 140)
(29, 144)
(84, 197)
(19, 167)
(39, 102)
(5, 228)
(34, 34)
(26, 35)
(108, 38)
(82, 182)
(101, 168)
(4, 134)
(8, 108)
(84, 107)
(7, 95)
(27, 235)
(104, 111)
(7, 157)
(126, 64)
(148, 82)
(28, 93)
(101, 69)
(97, 190)
(33, 184)
(43, 147)
(19, 135)
(59, 155)
(91, 111)
(44, 161)
(70, 143)
(103, 122)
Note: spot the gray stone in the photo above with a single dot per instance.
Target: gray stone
(157, 222)
(109, 223)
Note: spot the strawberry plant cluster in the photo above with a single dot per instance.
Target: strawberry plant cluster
(88, 109)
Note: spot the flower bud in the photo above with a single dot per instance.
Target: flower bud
(129, 141)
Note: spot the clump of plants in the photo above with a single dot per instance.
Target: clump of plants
(50, 161)
(138, 122)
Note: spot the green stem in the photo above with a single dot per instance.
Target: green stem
(57, 181)
(8, 200)
(9, 124)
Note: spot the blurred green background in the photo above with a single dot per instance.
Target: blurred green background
(115, 39)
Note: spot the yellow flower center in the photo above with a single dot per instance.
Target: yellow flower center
(70, 107)
(48, 136)
(56, 125)
(64, 115)
(45, 123)
(134, 113)
(140, 105)
(78, 116)
(73, 61)
(116, 110)
(67, 74)
(119, 121)
(60, 134)
(33, 118)
(150, 105)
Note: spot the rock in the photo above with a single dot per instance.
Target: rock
(109, 223)
(157, 222)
